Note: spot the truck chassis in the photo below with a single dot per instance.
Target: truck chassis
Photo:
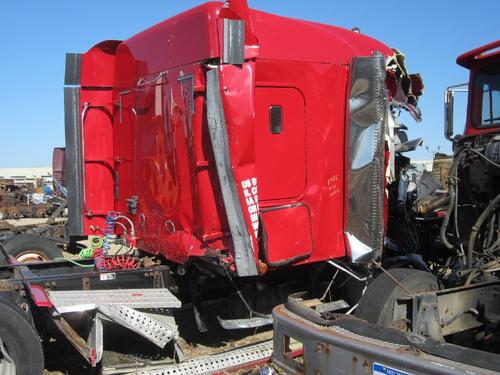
(92, 309)
(351, 344)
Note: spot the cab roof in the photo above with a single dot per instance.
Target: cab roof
(192, 36)
(478, 54)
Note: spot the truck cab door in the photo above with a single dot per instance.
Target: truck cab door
(281, 166)
(280, 142)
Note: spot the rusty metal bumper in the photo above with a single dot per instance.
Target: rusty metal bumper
(349, 347)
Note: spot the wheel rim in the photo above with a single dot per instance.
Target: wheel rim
(31, 256)
(7, 364)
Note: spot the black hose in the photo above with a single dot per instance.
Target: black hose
(483, 156)
(477, 225)
(451, 205)
(296, 305)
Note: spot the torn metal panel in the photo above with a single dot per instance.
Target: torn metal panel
(253, 322)
(405, 88)
(243, 249)
(368, 106)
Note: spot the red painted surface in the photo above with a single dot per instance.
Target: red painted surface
(96, 96)
(273, 150)
(297, 244)
(479, 54)
(39, 296)
(58, 164)
(156, 144)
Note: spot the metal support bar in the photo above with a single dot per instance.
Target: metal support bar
(449, 311)
(73, 69)
(233, 43)
(78, 343)
(427, 321)
(73, 160)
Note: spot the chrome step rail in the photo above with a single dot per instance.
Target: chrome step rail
(230, 360)
(81, 300)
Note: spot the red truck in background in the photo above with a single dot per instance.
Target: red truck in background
(440, 317)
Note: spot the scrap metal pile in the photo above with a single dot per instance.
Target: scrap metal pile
(24, 200)
(26, 208)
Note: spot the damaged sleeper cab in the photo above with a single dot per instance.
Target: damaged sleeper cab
(218, 136)
(243, 156)
(228, 150)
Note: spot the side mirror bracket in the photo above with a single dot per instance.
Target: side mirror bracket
(449, 96)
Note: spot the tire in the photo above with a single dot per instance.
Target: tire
(21, 341)
(30, 248)
(6, 301)
(377, 304)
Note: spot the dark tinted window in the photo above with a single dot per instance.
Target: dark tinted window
(275, 119)
(487, 100)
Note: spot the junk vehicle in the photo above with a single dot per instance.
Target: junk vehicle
(232, 161)
(39, 231)
(39, 221)
(438, 314)
(21, 201)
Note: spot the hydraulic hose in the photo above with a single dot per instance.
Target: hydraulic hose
(95, 243)
(477, 225)
(484, 157)
(109, 229)
(451, 184)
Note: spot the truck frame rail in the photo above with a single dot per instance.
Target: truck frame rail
(351, 345)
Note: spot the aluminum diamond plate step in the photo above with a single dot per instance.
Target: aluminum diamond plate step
(80, 300)
(231, 360)
(156, 331)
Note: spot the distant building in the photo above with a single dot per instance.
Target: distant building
(439, 168)
(442, 165)
(417, 168)
(27, 175)
(422, 165)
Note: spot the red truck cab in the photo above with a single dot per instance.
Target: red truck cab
(236, 137)
(483, 113)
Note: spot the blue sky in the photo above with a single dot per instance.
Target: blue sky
(35, 35)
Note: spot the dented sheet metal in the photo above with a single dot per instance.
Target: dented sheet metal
(366, 177)
(243, 243)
